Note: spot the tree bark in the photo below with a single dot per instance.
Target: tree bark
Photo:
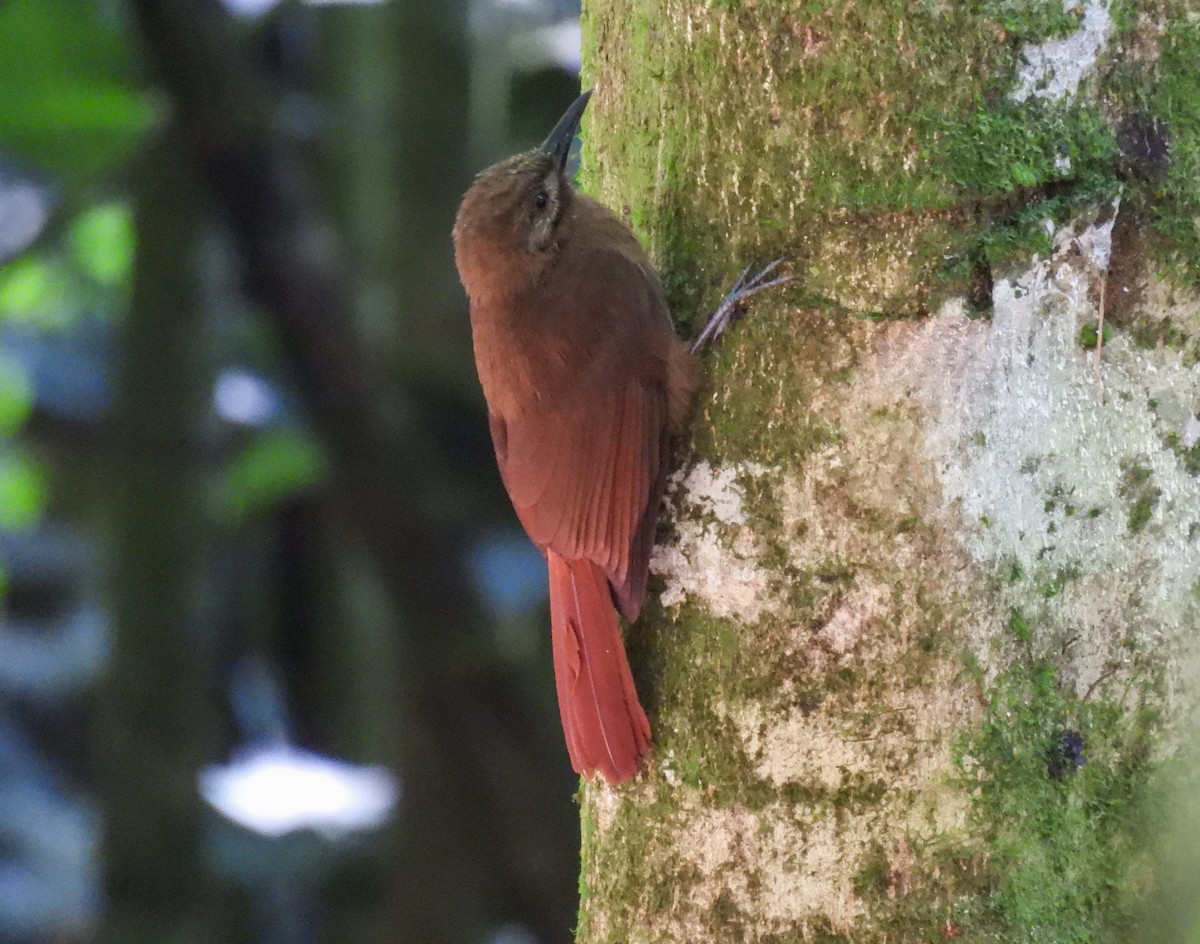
(157, 725)
(922, 644)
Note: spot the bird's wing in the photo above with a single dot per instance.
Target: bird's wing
(585, 464)
(586, 480)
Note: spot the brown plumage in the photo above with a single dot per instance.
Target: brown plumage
(585, 381)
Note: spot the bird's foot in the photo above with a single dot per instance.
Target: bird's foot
(733, 303)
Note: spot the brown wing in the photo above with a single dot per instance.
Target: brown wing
(583, 450)
(586, 480)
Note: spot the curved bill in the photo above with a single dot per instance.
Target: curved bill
(558, 143)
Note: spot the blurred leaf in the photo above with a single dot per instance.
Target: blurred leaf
(102, 241)
(68, 99)
(35, 291)
(16, 396)
(24, 286)
(22, 491)
(276, 466)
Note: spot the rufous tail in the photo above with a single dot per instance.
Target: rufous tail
(606, 728)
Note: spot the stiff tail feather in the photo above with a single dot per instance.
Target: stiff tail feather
(606, 728)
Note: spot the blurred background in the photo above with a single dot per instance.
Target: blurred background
(274, 657)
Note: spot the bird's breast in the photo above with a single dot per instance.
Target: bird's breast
(522, 357)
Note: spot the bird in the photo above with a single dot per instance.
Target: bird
(586, 381)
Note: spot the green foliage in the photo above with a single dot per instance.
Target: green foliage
(102, 242)
(34, 291)
(273, 467)
(22, 480)
(50, 289)
(16, 396)
(68, 102)
(1058, 846)
(22, 491)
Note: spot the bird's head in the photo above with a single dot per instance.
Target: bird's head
(507, 225)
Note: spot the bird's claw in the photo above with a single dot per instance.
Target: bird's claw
(746, 286)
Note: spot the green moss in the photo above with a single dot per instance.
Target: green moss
(714, 174)
(1057, 848)
(640, 880)
(1012, 571)
(1058, 580)
(715, 662)
(707, 660)
(1051, 841)
(587, 838)
(724, 910)
(1089, 332)
(874, 875)
(762, 409)
(1056, 498)
(1141, 511)
(1137, 488)
(1005, 147)
(1021, 163)
(1174, 107)
(1159, 334)
(1189, 456)
(1032, 21)
(718, 173)
(1018, 625)
(1135, 476)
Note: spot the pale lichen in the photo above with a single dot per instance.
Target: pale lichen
(1056, 68)
(713, 555)
(1048, 469)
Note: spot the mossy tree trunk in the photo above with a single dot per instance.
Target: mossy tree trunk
(928, 598)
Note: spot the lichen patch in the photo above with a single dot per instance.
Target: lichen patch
(855, 615)
(713, 555)
(1076, 493)
(1056, 68)
(757, 864)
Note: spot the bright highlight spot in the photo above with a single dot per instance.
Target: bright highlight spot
(277, 790)
(240, 397)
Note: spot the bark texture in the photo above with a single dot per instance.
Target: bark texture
(157, 727)
(929, 597)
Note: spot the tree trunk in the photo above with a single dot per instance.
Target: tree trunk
(922, 643)
(157, 726)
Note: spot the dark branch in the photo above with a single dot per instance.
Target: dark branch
(380, 451)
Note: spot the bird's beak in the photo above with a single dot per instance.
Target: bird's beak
(558, 144)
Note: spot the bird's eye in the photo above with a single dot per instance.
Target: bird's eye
(540, 201)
